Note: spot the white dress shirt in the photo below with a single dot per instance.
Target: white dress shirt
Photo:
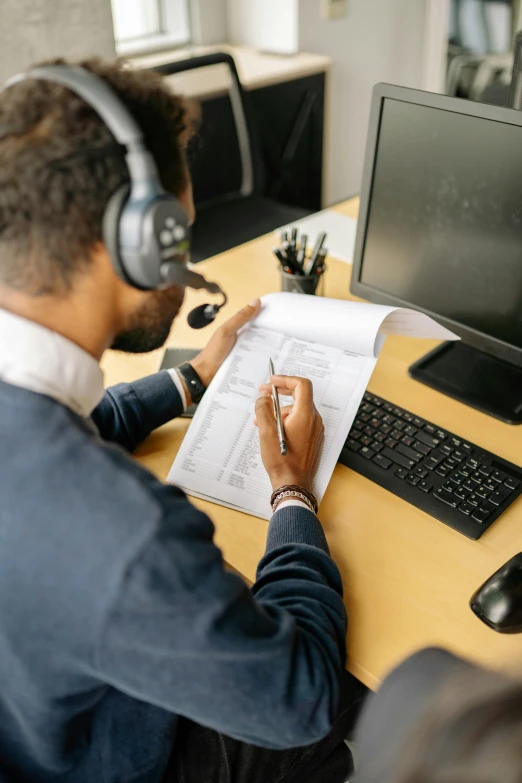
(36, 358)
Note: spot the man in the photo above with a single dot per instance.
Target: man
(127, 652)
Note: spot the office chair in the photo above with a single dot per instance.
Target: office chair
(229, 176)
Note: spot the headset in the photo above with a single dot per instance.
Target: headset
(145, 229)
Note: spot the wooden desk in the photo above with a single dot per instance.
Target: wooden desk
(408, 578)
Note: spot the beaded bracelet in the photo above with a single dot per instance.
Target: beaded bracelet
(293, 490)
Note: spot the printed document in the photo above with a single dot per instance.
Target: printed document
(334, 343)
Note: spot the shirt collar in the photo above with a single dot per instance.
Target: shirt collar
(43, 361)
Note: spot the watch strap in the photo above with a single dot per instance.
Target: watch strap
(194, 383)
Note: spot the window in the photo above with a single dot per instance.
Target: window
(148, 25)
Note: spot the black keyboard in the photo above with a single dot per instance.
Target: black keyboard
(454, 481)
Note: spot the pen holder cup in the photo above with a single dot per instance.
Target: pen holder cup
(300, 284)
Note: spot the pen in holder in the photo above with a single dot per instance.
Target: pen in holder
(300, 273)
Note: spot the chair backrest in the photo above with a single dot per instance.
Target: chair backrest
(227, 164)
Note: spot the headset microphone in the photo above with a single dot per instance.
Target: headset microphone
(181, 275)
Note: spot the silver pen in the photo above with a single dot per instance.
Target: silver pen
(277, 409)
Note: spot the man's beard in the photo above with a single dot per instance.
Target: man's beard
(150, 326)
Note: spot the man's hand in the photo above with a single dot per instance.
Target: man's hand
(304, 432)
(208, 362)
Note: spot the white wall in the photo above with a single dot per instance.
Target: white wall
(268, 25)
(33, 30)
(208, 19)
(378, 40)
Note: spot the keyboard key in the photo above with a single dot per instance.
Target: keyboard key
(461, 493)
(380, 436)
(497, 475)
(397, 434)
(474, 499)
(353, 445)
(447, 497)
(391, 443)
(399, 425)
(398, 459)
(449, 486)
(499, 496)
(386, 429)
(490, 484)
(411, 478)
(398, 411)
(477, 477)
(433, 461)
(377, 402)
(483, 492)
(457, 477)
(447, 450)
(410, 453)
(466, 446)
(408, 417)
(366, 441)
(421, 472)
(419, 422)
(367, 453)
(389, 419)
(358, 425)
(368, 431)
(382, 462)
(441, 435)
(469, 484)
(408, 441)
(467, 509)
(511, 483)
(387, 407)
(367, 408)
(486, 470)
(376, 446)
(355, 435)
(375, 423)
(481, 514)
(425, 486)
(365, 417)
(473, 463)
(424, 437)
(456, 442)
(368, 397)
(465, 471)
(442, 470)
(418, 446)
(451, 463)
(410, 431)
(402, 473)
(430, 429)
(458, 455)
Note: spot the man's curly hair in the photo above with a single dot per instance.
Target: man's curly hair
(60, 164)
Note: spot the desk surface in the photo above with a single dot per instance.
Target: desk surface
(407, 577)
(256, 69)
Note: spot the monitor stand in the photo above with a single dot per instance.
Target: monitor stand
(491, 385)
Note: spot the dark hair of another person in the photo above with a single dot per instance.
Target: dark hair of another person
(471, 734)
(60, 164)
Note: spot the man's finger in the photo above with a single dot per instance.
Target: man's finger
(299, 388)
(286, 411)
(241, 318)
(266, 420)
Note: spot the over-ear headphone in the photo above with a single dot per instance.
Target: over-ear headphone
(145, 229)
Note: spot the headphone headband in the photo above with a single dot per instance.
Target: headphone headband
(145, 229)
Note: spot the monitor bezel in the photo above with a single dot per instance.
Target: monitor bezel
(382, 92)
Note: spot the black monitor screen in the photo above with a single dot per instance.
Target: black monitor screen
(444, 229)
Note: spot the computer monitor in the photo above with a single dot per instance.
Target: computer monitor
(440, 230)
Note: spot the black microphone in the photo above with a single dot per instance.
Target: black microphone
(178, 273)
(204, 314)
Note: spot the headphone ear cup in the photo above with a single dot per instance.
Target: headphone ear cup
(111, 229)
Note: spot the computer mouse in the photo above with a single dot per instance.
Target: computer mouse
(498, 603)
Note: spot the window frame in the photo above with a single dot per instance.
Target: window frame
(169, 12)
